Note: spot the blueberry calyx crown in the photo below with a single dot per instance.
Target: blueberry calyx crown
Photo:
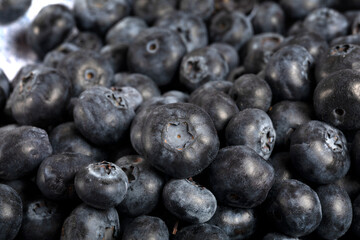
(117, 100)
(105, 166)
(176, 134)
(333, 141)
(266, 140)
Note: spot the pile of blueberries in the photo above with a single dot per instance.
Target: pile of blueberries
(183, 120)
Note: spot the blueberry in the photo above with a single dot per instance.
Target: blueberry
(179, 139)
(239, 177)
(55, 176)
(326, 22)
(22, 149)
(86, 222)
(181, 96)
(337, 212)
(250, 91)
(298, 9)
(146, 227)
(139, 121)
(40, 97)
(145, 186)
(145, 85)
(201, 66)
(253, 128)
(101, 185)
(286, 117)
(288, 73)
(336, 101)
(220, 106)
(103, 115)
(319, 152)
(348, 39)
(259, 50)
(229, 54)
(86, 41)
(236, 222)
(42, 220)
(313, 43)
(243, 6)
(86, 69)
(236, 73)
(152, 48)
(278, 236)
(336, 58)
(152, 10)
(201, 8)
(4, 83)
(281, 163)
(125, 31)
(50, 27)
(66, 138)
(54, 57)
(99, 16)
(191, 29)
(201, 231)
(12, 10)
(189, 201)
(11, 212)
(232, 28)
(269, 17)
(294, 208)
(116, 55)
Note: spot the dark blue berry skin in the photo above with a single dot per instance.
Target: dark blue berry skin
(313, 43)
(151, 49)
(181, 96)
(4, 83)
(22, 149)
(250, 91)
(99, 16)
(288, 73)
(200, 8)
(286, 116)
(116, 55)
(230, 27)
(278, 236)
(298, 9)
(201, 231)
(259, 49)
(189, 201)
(86, 69)
(125, 31)
(336, 101)
(101, 185)
(66, 138)
(54, 57)
(253, 128)
(11, 212)
(337, 212)
(201, 66)
(86, 41)
(179, 139)
(281, 163)
(236, 73)
(89, 223)
(229, 53)
(269, 17)
(145, 85)
(50, 28)
(145, 186)
(219, 105)
(139, 121)
(13, 10)
(294, 208)
(239, 177)
(336, 58)
(150, 11)
(236, 222)
(146, 227)
(40, 98)
(191, 29)
(42, 219)
(103, 115)
(326, 22)
(319, 152)
(55, 176)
